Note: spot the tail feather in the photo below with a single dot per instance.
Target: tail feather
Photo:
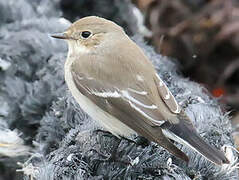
(184, 134)
(167, 144)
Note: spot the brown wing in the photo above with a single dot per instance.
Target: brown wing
(171, 103)
(135, 101)
(166, 95)
(142, 118)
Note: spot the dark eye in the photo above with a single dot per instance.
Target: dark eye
(85, 34)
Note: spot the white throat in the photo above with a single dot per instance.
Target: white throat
(76, 48)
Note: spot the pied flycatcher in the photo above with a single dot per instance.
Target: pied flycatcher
(116, 84)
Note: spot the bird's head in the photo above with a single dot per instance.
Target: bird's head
(89, 32)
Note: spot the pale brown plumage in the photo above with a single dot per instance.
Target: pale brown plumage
(115, 76)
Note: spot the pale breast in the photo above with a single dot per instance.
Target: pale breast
(111, 123)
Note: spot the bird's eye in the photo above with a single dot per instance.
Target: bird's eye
(85, 34)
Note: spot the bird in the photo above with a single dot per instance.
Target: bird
(116, 84)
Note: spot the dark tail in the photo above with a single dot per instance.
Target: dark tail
(184, 134)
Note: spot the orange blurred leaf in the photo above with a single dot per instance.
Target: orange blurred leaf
(217, 92)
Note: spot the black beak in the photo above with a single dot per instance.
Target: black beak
(60, 36)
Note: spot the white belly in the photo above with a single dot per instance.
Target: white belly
(111, 123)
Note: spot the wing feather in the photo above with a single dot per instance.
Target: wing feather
(136, 101)
(167, 96)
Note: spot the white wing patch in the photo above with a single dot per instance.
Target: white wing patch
(168, 97)
(126, 95)
(156, 122)
(139, 78)
(138, 92)
(131, 99)
(134, 103)
(114, 94)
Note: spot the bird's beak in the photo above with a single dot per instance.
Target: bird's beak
(60, 36)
